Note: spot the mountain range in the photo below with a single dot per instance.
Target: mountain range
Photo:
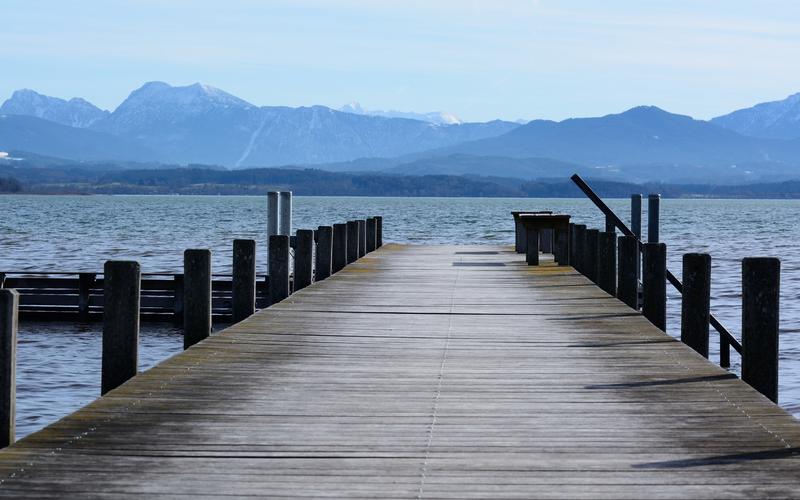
(200, 124)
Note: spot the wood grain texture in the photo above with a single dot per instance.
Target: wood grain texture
(424, 372)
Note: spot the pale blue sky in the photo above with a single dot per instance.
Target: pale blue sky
(478, 59)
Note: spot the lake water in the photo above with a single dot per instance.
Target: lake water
(58, 364)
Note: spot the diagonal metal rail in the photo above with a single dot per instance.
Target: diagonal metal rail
(674, 281)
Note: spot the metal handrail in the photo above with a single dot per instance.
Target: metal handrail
(675, 282)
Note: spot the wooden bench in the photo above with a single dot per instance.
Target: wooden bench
(534, 224)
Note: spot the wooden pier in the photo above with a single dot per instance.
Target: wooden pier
(425, 372)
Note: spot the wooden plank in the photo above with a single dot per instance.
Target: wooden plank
(404, 375)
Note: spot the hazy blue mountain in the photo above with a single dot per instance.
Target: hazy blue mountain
(437, 117)
(776, 119)
(44, 137)
(201, 124)
(74, 113)
(642, 135)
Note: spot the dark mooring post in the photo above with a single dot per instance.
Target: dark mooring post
(610, 226)
(760, 323)
(628, 271)
(196, 296)
(340, 247)
(580, 248)
(636, 215)
(243, 285)
(590, 262)
(572, 245)
(303, 259)
(324, 252)
(654, 284)
(371, 234)
(9, 314)
(607, 262)
(696, 301)
(352, 241)
(85, 283)
(278, 263)
(546, 244)
(362, 238)
(378, 231)
(653, 210)
(121, 299)
(532, 246)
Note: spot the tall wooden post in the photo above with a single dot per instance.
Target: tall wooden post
(696, 301)
(654, 284)
(352, 241)
(580, 248)
(273, 212)
(628, 271)
(532, 246)
(572, 244)
(121, 300)
(636, 215)
(303, 259)
(371, 234)
(378, 231)
(340, 246)
(324, 252)
(653, 210)
(85, 283)
(285, 213)
(9, 314)
(196, 296)
(760, 324)
(362, 238)
(243, 283)
(590, 257)
(278, 263)
(607, 262)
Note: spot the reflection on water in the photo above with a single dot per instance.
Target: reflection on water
(58, 367)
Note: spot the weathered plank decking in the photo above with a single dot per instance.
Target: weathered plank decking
(425, 372)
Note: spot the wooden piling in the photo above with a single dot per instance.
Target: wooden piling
(371, 234)
(243, 282)
(177, 306)
(696, 301)
(378, 231)
(607, 262)
(303, 259)
(352, 241)
(285, 213)
(324, 253)
(273, 211)
(532, 246)
(362, 238)
(760, 324)
(340, 246)
(590, 262)
(628, 271)
(636, 215)
(196, 296)
(519, 236)
(572, 244)
(9, 320)
(561, 245)
(610, 226)
(653, 210)
(85, 283)
(654, 284)
(278, 263)
(121, 300)
(580, 248)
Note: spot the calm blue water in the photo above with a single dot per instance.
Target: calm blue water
(58, 364)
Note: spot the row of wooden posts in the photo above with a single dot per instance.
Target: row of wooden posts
(317, 255)
(615, 264)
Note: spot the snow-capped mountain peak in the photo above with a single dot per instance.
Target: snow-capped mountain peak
(76, 112)
(435, 117)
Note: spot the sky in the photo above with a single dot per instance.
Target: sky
(481, 60)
